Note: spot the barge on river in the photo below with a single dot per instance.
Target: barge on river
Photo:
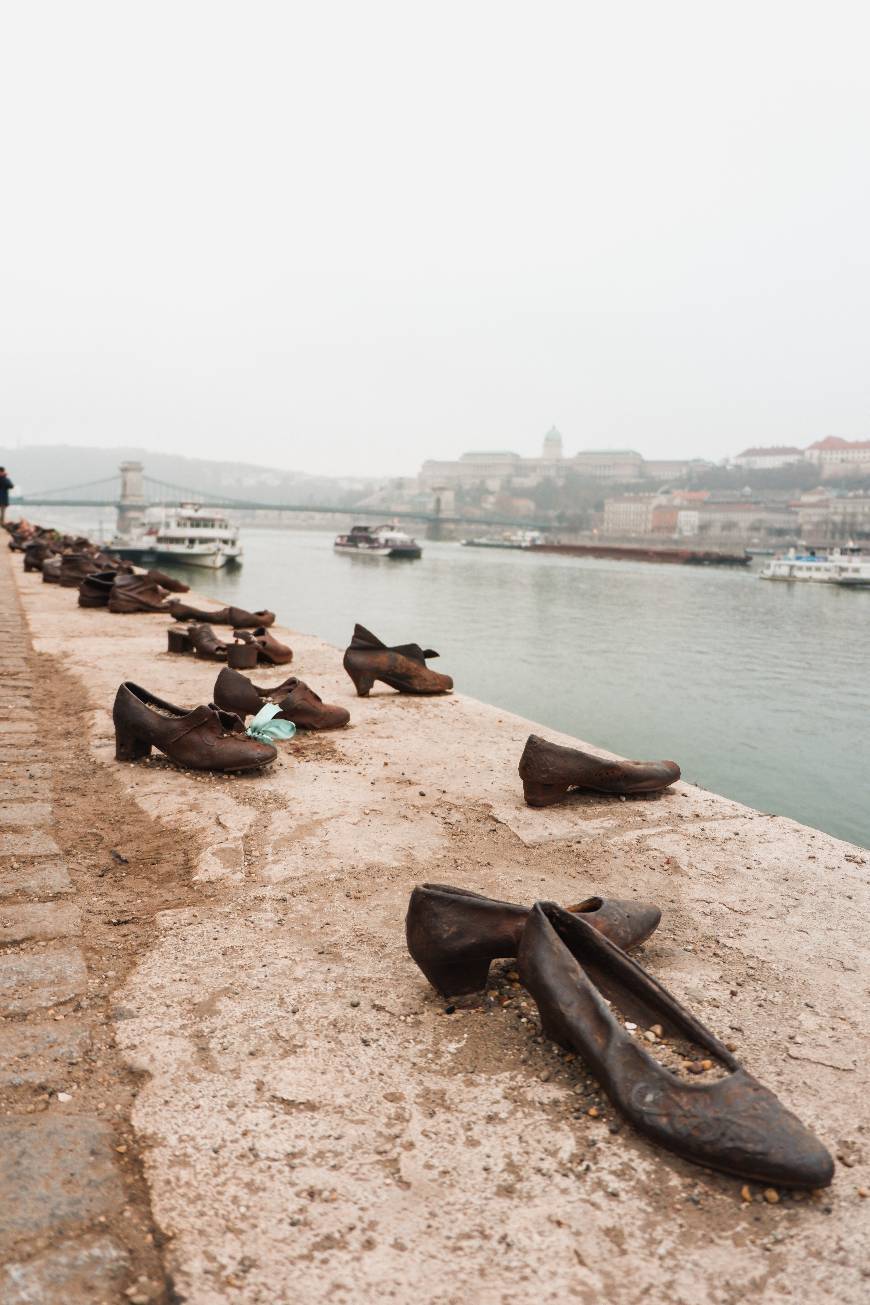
(641, 553)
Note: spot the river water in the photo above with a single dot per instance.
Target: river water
(760, 691)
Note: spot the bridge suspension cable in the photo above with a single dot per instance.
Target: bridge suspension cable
(68, 489)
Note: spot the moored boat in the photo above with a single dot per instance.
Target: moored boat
(515, 539)
(378, 541)
(847, 568)
(189, 535)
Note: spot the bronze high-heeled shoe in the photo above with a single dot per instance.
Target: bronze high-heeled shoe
(296, 701)
(733, 1123)
(200, 640)
(454, 934)
(402, 667)
(269, 649)
(202, 739)
(549, 772)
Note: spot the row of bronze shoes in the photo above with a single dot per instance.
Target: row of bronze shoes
(597, 1002)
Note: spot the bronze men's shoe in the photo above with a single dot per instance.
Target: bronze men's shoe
(269, 650)
(403, 667)
(51, 569)
(200, 640)
(306, 709)
(136, 593)
(732, 1123)
(166, 582)
(35, 553)
(549, 772)
(74, 567)
(95, 590)
(454, 934)
(235, 616)
(202, 739)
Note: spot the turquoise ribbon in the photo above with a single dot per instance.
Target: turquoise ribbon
(265, 728)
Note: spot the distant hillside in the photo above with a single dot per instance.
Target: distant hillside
(57, 466)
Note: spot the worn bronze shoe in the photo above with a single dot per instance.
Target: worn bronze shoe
(95, 590)
(51, 569)
(202, 739)
(234, 616)
(136, 593)
(402, 667)
(732, 1123)
(454, 934)
(199, 640)
(74, 567)
(166, 582)
(269, 650)
(306, 709)
(549, 772)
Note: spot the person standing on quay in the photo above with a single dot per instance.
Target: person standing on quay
(5, 486)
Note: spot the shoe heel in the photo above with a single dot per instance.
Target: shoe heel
(129, 747)
(242, 656)
(543, 795)
(178, 641)
(363, 681)
(553, 1030)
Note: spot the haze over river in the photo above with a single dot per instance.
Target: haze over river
(760, 691)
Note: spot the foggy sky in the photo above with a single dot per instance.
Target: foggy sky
(343, 237)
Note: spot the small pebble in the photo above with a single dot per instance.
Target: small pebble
(355, 1002)
(771, 1195)
(650, 1036)
(695, 1066)
(593, 1112)
(745, 1193)
(656, 1029)
(706, 1064)
(864, 1192)
(64, 1096)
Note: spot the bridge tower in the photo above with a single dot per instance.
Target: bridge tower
(131, 505)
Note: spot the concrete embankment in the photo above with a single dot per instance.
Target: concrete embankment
(314, 1124)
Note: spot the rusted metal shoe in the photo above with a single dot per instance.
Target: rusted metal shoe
(203, 739)
(51, 569)
(74, 567)
(136, 593)
(95, 590)
(402, 667)
(166, 582)
(454, 934)
(297, 702)
(234, 616)
(198, 640)
(269, 650)
(550, 772)
(732, 1123)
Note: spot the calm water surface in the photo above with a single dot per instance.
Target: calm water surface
(760, 691)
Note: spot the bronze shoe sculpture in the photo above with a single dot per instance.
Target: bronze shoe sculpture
(51, 569)
(136, 593)
(202, 739)
(269, 649)
(733, 1123)
(235, 616)
(297, 702)
(549, 772)
(454, 934)
(74, 567)
(166, 582)
(95, 590)
(402, 667)
(200, 640)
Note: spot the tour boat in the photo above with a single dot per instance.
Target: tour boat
(846, 568)
(378, 541)
(190, 535)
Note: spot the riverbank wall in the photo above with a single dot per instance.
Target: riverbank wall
(312, 1122)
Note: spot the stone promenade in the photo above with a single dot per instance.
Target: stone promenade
(62, 1182)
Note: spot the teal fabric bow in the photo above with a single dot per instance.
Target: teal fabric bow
(265, 728)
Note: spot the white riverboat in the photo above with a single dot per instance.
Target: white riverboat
(378, 541)
(847, 568)
(513, 539)
(190, 535)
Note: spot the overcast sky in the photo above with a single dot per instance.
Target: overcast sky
(343, 237)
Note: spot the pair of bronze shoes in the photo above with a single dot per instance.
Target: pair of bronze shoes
(402, 667)
(574, 964)
(237, 617)
(205, 738)
(95, 590)
(551, 772)
(296, 701)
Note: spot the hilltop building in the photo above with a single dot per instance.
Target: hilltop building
(492, 468)
(838, 457)
(768, 459)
